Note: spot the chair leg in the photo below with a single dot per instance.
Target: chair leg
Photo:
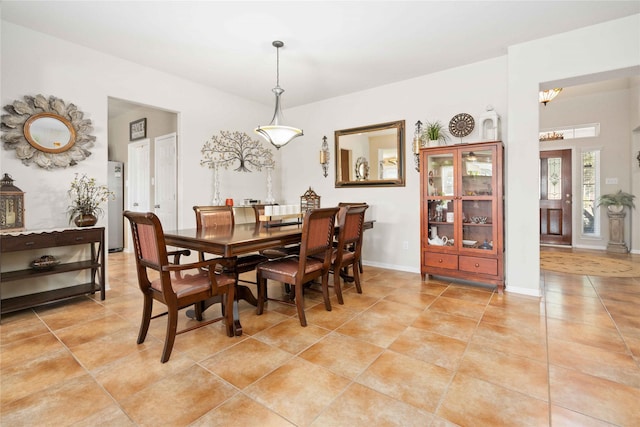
(146, 318)
(360, 266)
(172, 326)
(300, 304)
(228, 315)
(198, 308)
(262, 293)
(325, 291)
(337, 286)
(356, 278)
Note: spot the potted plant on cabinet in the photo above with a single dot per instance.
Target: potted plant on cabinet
(434, 134)
(86, 197)
(615, 204)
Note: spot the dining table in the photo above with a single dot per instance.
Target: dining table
(231, 242)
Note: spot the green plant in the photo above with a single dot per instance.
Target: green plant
(620, 198)
(434, 131)
(86, 197)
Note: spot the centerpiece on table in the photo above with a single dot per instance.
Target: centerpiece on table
(86, 197)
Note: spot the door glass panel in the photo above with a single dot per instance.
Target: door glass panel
(440, 171)
(477, 172)
(441, 222)
(477, 227)
(554, 178)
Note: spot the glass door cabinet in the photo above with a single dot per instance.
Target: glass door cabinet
(462, 212)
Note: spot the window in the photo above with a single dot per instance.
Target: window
(590, 193)
(570, 132)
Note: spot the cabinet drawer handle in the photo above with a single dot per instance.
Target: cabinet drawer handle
(477, 265)
(30, 243)
(79, 239)
(440, 260)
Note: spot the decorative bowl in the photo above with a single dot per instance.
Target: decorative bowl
(45, 262)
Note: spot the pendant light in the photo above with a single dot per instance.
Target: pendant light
(275, 132)
(547, 95)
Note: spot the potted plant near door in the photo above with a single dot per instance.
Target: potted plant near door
(615, 204)
(86, 197)
(434, 134)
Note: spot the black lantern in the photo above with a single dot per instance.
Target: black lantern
(11, 205)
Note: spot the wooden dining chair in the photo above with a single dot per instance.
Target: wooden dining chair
(349, 246)
(222, 218)
(277, 252)
(312, 262)
(176, 286)
(343, 204)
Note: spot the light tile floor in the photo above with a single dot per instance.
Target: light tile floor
(405, 353)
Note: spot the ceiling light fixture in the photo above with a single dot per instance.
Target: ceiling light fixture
(276, 133)
(547, 95)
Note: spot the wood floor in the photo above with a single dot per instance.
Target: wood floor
(404, 353)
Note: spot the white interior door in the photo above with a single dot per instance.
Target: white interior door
(165, 162)
(139, 176)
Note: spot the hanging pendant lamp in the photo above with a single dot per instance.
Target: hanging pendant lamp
(275, 132)
(547, 95)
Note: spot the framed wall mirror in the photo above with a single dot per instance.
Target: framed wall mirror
(371, 155)
(48, 132)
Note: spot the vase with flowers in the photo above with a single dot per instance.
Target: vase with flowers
(86, 197)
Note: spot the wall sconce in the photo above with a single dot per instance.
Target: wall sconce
(324, 156)
(638, 158)
(417, 144)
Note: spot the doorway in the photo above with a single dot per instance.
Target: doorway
(555, 197)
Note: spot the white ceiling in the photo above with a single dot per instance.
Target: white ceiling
(331, 47)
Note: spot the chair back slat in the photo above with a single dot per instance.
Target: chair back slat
(214, 217)
(148, 244)
(317, 231)
(351, 222)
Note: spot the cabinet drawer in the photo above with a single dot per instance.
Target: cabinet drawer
(432, 259)
(26, 242)
(479, 265)
(77, 237)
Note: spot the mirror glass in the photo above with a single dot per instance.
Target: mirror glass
(49, 132)
(370, 155)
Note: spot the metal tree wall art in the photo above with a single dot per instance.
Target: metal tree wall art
(231, 147)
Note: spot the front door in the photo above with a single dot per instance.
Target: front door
(555, 197)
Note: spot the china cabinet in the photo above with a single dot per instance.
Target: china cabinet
(461, 211)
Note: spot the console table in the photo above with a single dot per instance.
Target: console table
(33, 241)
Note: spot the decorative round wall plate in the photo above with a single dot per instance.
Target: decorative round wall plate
(461, 125)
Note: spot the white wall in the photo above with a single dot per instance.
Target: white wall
(34, 63)
(396, 210)
(596, 49)
(607, 103)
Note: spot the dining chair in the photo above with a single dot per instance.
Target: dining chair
(343, 204)
(312, 262)
(175, 286)
(222, 217)
(349, 246)
(277, 252)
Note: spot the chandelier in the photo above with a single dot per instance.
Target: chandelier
(547, 95)
(275, 132)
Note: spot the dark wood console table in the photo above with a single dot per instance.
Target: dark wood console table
(33, 241)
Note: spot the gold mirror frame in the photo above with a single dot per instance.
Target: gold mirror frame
(390, 134)
(18, 126)
(45, 141)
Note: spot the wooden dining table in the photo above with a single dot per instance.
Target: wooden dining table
(231, 242)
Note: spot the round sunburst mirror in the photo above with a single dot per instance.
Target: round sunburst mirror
(47, 132)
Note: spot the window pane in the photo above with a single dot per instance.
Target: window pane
(590, 220)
